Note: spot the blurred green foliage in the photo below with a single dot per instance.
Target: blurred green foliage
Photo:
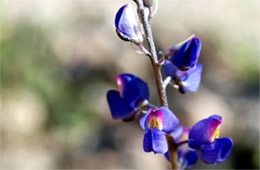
(28, 61)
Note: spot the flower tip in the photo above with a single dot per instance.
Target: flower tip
(190, 37)
(119, 14)
(216, 117)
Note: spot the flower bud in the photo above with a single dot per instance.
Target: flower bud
(126, 25)
(185, 54)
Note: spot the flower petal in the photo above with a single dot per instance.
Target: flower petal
(204, 131)
(169, 68)
(169, 121)
(142, 122)
(187, 158)
(132, 89)
(118, 107)
(147, 142)
(126, 24)
(194, 52)
(192, 81)
(191, 158)
(159, 141)
(187, 81)
(187, 56)
(162, 119)
(217, 151)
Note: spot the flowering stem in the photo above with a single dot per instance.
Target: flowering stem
(158, 77)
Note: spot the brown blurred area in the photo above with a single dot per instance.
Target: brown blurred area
(60, 57)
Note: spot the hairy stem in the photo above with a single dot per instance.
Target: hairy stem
(158, 77)
(154, 57)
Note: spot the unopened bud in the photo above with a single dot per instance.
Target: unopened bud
(126, 25)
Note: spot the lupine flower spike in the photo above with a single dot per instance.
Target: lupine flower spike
(204, 137)
(157, 123)
(126, 25)
(133, 92)
(163, 134)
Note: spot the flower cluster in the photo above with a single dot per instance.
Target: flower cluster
(182, 70)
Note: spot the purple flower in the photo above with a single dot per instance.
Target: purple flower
(157, 123)
(203, 138)
(126, 25)
(133, 92)
(187, 157)
(185, 81)
(185, 54)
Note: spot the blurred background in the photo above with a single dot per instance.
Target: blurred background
(60, 57)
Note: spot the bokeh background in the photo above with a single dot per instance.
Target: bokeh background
(60, 57)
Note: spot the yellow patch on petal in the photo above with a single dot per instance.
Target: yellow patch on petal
(155, 122)
(215, 134)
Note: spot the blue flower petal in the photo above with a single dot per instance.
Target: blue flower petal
(142, 122)
(217, 151)
(132, 89)
(188, 54)
(204, 131)
(159, 141)
(126, 23)
(155, 140)
(187, 81)
(118, 107)
(164, 119)
(169, 121)
(191, 158)
(169, 68)
(192, 81)
(147, 142)
(194, 52)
